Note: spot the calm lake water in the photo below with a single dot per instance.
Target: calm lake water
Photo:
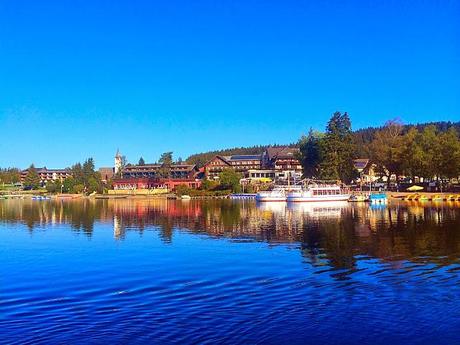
(235, 272)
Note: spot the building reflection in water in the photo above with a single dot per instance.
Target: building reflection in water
(335, 234)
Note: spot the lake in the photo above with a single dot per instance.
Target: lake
(232, 272)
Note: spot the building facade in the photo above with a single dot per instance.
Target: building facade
(133, 183)
(149, 176)
(48, 174)
(176, 171)
(239, 163)
(274, 163)
(282, 159)
(366, 170)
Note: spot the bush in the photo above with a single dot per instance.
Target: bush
(182, 189)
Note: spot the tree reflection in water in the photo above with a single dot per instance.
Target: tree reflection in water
(332, 234)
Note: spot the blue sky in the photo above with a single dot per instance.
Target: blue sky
(83, 78)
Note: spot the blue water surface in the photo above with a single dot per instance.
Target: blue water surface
(99, 272)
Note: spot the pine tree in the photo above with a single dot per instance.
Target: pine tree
(337, 150)
(32, 180)
(310, 154)
(166, 161)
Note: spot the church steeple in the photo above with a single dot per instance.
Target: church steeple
(118, 162)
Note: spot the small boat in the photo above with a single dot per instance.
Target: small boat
(277, 194)
(420, 197)
(437, 198)
(359, 198)
(318, 192)
(39, 197)
(185, 197)
(411, 197)
(380, 198)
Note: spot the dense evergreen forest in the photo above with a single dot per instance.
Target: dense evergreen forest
(362, 138)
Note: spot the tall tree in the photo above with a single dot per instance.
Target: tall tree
(428, 140)
(230, 179)
(413, 159)
(166, 160)
(450, 154)
(10, 175)
(387, 150)
(141, 161)
(310, 155)
(77, 173)
(337, 149)
(88, 168)
(32, 180)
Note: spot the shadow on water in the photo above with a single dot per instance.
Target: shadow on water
(337, 232)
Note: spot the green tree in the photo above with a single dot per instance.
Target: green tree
(94, 185)
(68, 185)
(10, 175)
(450, 154)
(32, 180)
(166, 160)
(310, 154)
(88, 169)
(208, 184)
(413, 159)
(337, 150)
(77, 173)
(230, 179)
(53, 186)
(85, 178)
(141, 161)
(182, 189)
(78, 188)
(387, 150)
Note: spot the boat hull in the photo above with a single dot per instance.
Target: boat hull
(270, 199)
(343, 197)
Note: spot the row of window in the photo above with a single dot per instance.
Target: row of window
(326, 192)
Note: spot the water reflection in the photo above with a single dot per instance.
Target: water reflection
(337, 232)
(157, 271)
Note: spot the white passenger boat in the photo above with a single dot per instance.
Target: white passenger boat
(318, 192)
(277, 194)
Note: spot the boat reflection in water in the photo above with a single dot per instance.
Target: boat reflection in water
(319, 209)
(390, 228)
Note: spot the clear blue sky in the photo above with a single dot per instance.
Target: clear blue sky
(82, 78)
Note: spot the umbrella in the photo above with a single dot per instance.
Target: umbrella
(414, 188)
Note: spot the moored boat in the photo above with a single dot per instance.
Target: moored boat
(359, 198)
(277, 194)
(318, 192)
(378, 198)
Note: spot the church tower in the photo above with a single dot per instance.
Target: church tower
(118, 162)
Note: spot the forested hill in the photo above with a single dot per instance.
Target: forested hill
(202, 158)
(365, 135)
(362, 137)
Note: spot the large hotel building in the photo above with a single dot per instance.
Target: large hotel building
(275, 163)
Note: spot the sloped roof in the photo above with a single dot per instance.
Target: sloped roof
(157, 166)
(282, 152)
(224, 159)
(360, 163)
(245, 157)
